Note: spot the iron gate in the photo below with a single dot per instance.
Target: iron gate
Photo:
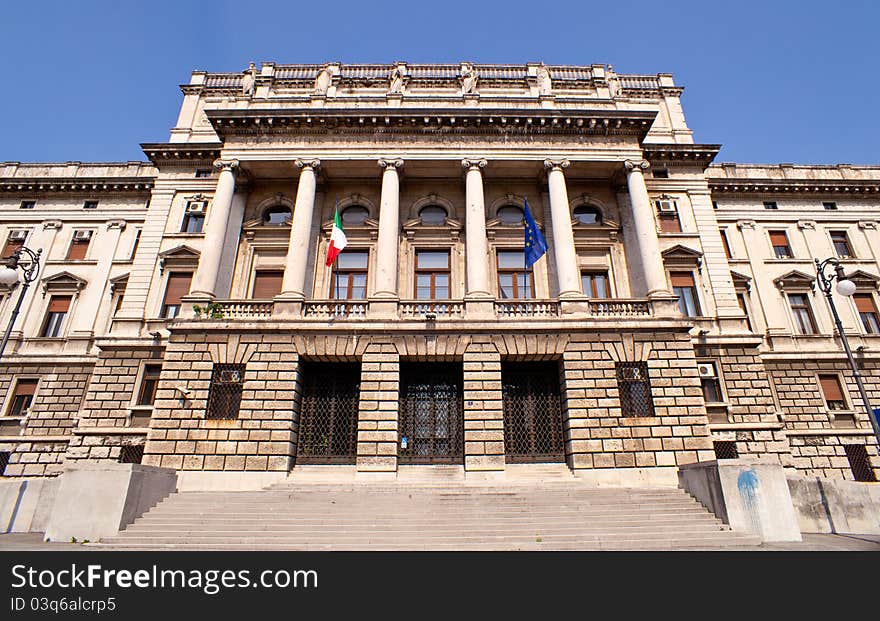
(532, 412)
(328, 413)
(431, 413)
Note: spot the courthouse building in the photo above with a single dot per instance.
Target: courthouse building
(183, 315)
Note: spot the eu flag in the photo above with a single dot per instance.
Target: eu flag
(535, 244)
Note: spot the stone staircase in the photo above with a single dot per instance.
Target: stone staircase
(533, 509)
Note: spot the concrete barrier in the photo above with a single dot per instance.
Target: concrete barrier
(100, 499)
(835, 506)
(25, 504)
(751, 495)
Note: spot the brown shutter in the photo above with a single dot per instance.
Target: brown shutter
(681, 279)
(778, 238)
(831, 387)
(11, 246)
(78, 250)
(267, 284)
(59, 304)
(178, 286)
(25, 387)
(865, 303)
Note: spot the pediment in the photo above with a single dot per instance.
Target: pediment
(63, 282)
(795, 279)
(864, 279)
(682, 255)
(118, 283)
(740, 279)
(180, 252)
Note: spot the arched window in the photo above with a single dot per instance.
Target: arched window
(587, 215)
(432, 214)
(510, 214)
(279, 214)
(354, 215)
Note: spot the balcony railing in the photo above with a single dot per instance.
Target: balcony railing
(333, 309)
(245, 309)
(620, 308)
(527, 308)
(421, 309)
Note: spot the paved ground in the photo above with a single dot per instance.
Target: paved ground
(811, 542)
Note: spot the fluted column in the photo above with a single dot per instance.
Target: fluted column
(563, 238)
(204, 282)
(293, 286)
(645, 229)
(476, 244)
(389, 231)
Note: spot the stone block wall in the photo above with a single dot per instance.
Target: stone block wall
(378, 407)
(483, 407)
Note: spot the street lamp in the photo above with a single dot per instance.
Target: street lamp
(847, 288)
(28, 262)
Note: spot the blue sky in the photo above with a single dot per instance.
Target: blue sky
(772, 81)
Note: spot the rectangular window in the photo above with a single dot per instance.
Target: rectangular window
(177, 287)
(514, 280)
(203, 173)
(131, 454)
(4, 461)
(27, 204)
(683, 286)
(432, 274)
(267, 284)
(14, 243)
(867, 312)
(830, 206)
(832, 392)
(90, 205)
(224, 396)
(59, 305)
(595, 284)
(726, 245)
(134, 246)
(349, 279)
(714, 204)
(22, 397)
(79, 245)
(725, 449)
(841, 245)
(744, 307)
(660, 173)
(192, 222)
(634, 388)
(859, 464)
(149, 383)
(710, 382)
(803, 314)
(779, 241)
(669, 222)
(770, 205)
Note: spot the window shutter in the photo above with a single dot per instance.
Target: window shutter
(865, 303)
(778, 238)
(831, 388)
(25, 387)
(681, 279)
(178, 286)
(78, 249)
(267, 284)
(59, 304)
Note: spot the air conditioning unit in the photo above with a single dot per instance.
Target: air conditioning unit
(82, 235)
(666, 206)
(18, 235)
(707, 369)
(196, 206)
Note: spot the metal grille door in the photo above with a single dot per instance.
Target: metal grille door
(329, 413)
(431, 413)
(532, 412)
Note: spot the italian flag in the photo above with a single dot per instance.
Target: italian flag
(337, 239)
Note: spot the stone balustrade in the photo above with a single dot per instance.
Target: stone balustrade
(527, 308)
(441, 310)
(620, 308)
(333, 309)
(245, 309)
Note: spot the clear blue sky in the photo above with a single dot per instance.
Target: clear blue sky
(771, 81)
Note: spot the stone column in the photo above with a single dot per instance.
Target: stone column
(388, 242)
(476, 244)
(646, 229)
(563, 238)
(204, 281)
(293, 286)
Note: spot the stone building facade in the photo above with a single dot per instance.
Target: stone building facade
(184, 315)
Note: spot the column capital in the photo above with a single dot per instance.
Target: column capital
(556, 164)
(222, 165)
(313, 164)
(473, 164)
(632, 165)
(394, 163)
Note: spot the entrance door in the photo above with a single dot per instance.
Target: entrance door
(532, 412)
(328, 413)
(431, 413)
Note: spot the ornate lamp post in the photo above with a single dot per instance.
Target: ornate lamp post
(827, 272)
(29, 262)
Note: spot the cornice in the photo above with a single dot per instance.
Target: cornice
(84, 185)
(459, 121)
(191, 153)
(701, 154)
(793, 186)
